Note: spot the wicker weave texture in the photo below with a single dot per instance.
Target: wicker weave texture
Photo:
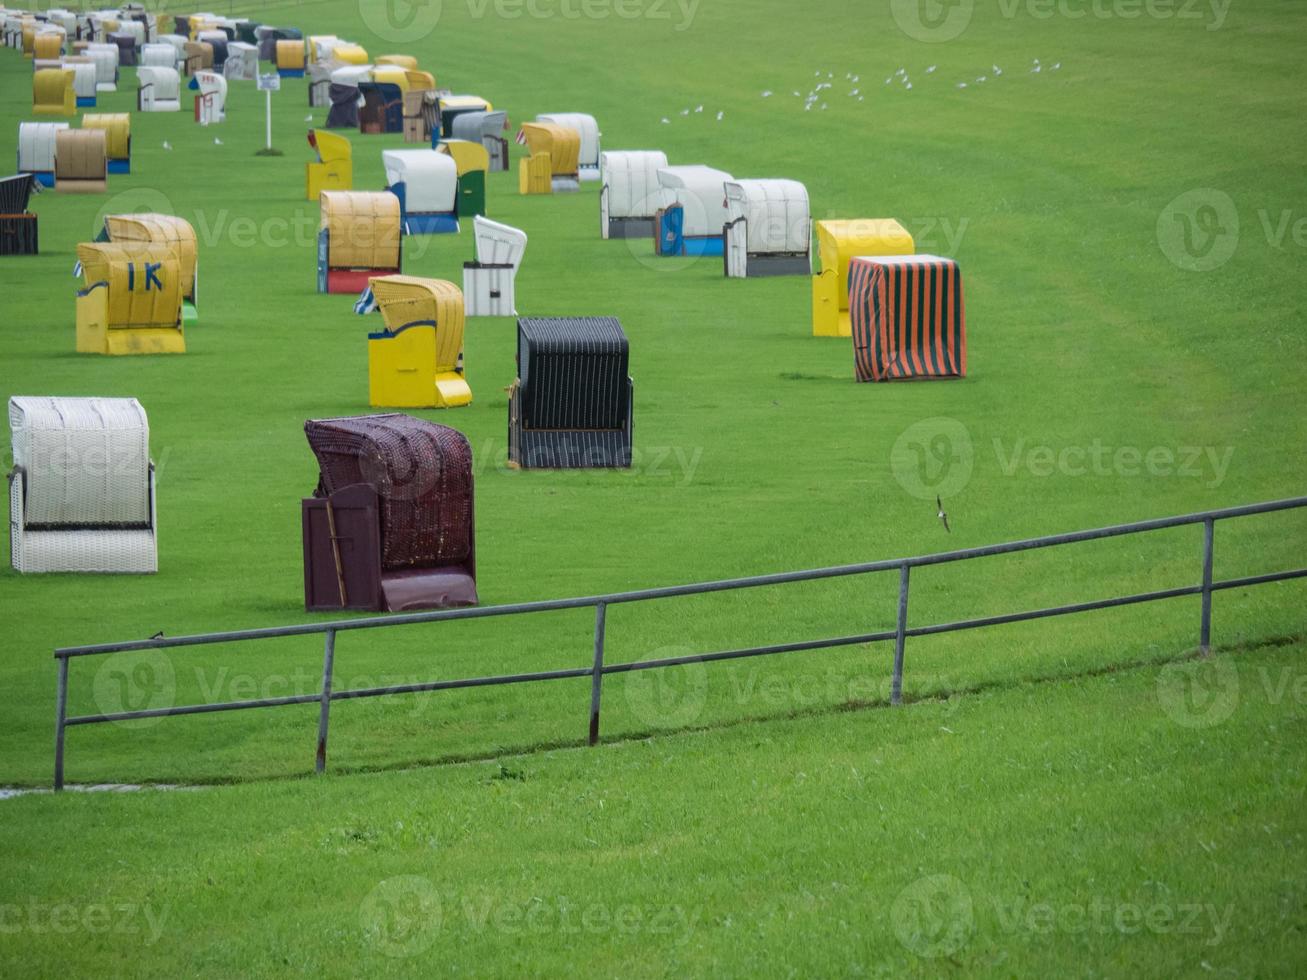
(86, 460)
(422, 473)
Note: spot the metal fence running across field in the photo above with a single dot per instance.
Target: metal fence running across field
(599, 669)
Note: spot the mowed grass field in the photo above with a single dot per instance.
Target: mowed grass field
(1109, 381)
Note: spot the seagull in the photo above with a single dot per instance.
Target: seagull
(1056, 66)
(217, 142)
(700, 109)
(997, 71)
(931, 69)
(890, 79)
(309, 118)
(721, 116)
(980, 80)
(666, 121)
(767, 94)
(962, 84)
(855, 79)
(685, 112)
(167, 145)
(939, 506)
(856, 91)
(859, 98)
(908, 86)
(1035, 70)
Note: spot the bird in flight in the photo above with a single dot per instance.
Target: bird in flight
(939, 507)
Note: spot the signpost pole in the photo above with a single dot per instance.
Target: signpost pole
(269, 83)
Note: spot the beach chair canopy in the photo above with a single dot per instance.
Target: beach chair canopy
(430, 179)
(142, 278)
(422, 474)
(168, 230)
(498, 244)
(631, 179)
(562, 143)
(588, 130)
(81, 496)
(80, 158)
(776, 213)
(351, 75)
(53, 93)
(895, 334)
(36, 145)
(47, 431)
(363, 229)
(701, 193)
(838, 241)
(477, 124)
(117, 128)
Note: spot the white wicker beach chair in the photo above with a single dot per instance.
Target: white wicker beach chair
(81, 493)
(490, 283)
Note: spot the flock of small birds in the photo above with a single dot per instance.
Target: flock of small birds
(825, 83)
(698, 110)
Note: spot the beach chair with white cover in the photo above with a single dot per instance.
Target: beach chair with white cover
(81, 493)
(489, 283)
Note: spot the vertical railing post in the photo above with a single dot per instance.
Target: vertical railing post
(597, 676)
(60, 715)
(324, 711)
(896, 691)
(1205, 627)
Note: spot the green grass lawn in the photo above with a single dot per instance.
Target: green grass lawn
(1022, 832)
(1107, 383)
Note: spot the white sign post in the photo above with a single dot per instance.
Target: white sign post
(269, 84)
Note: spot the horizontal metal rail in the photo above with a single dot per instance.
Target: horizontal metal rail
(667, 592)
(600, 669)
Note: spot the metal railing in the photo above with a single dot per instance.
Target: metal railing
(600, 603)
